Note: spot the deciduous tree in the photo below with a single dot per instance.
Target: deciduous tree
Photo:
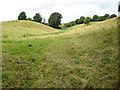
(107, 16)
(82, 18)
(55, 19)
(95, 18)
(22, 16)
(113, 15)
(87, 21)
(37, 18)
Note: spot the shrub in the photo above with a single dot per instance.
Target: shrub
(45, 23)
(95, 18)
(87, 21)
(68, 24)
(106, 16)
(113, 15)
(81, 20)
(37, 18)
(77, 21)
(72, 23)
(101, 18)
(30, 19)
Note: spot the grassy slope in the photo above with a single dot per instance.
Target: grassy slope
(28, 29)
(76, 27)
(81, 58)
(23, 28)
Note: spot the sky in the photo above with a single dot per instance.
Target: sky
(69, 9)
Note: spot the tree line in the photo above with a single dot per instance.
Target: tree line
(87, 20)
(36, 18)
(55, 19)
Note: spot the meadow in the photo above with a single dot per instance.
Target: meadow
(38, 56)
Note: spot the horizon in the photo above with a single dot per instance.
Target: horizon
(68, 9)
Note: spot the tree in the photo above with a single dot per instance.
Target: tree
(101, 18)
(55, 19)
(87, 21)
(95, 18)
(72, 23)
(68, 25)
(44, 20)
(30, 19)
(90, 19)
(45, 23)
(80, 21)
(119, 8)
(37, 18)
(22, 16)
(82, 18)
(113, 15)
(77, 21)
(106, 16)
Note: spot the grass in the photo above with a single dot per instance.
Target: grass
(27, 29)
(76, 27)
(85, 57)
(21, 28)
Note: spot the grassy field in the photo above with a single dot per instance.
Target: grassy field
(22, 28)
(27, 29)
(85, 57)
(76, 27)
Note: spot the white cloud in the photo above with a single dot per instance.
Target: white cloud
(70, 9)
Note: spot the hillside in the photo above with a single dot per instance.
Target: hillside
(76, 27)
(22, 28)
(29, 29)
(84, 57)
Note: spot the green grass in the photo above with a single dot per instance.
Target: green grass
(27, 29)
(21, 28)
(76, 27)
(86, 57)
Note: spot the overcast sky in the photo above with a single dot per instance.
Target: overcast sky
(69, 9)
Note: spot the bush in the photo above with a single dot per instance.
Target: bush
(45, 23)
(95, 18)
(87, 21)
(72, 23)
(68, 25)
(113, 15)
(37, 18)
(81, 20)
(101, 18)
(30, 19)
(106, 16)
(77, 21)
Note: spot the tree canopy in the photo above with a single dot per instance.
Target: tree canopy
(101, 18)
(22, 16)
(55, 19)
(95, 17)
(87, 21)
(77, 21)
(113, 15)
(106, 16)
(119, 8)
(30, 19)
(37, 18)
(82, 18)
